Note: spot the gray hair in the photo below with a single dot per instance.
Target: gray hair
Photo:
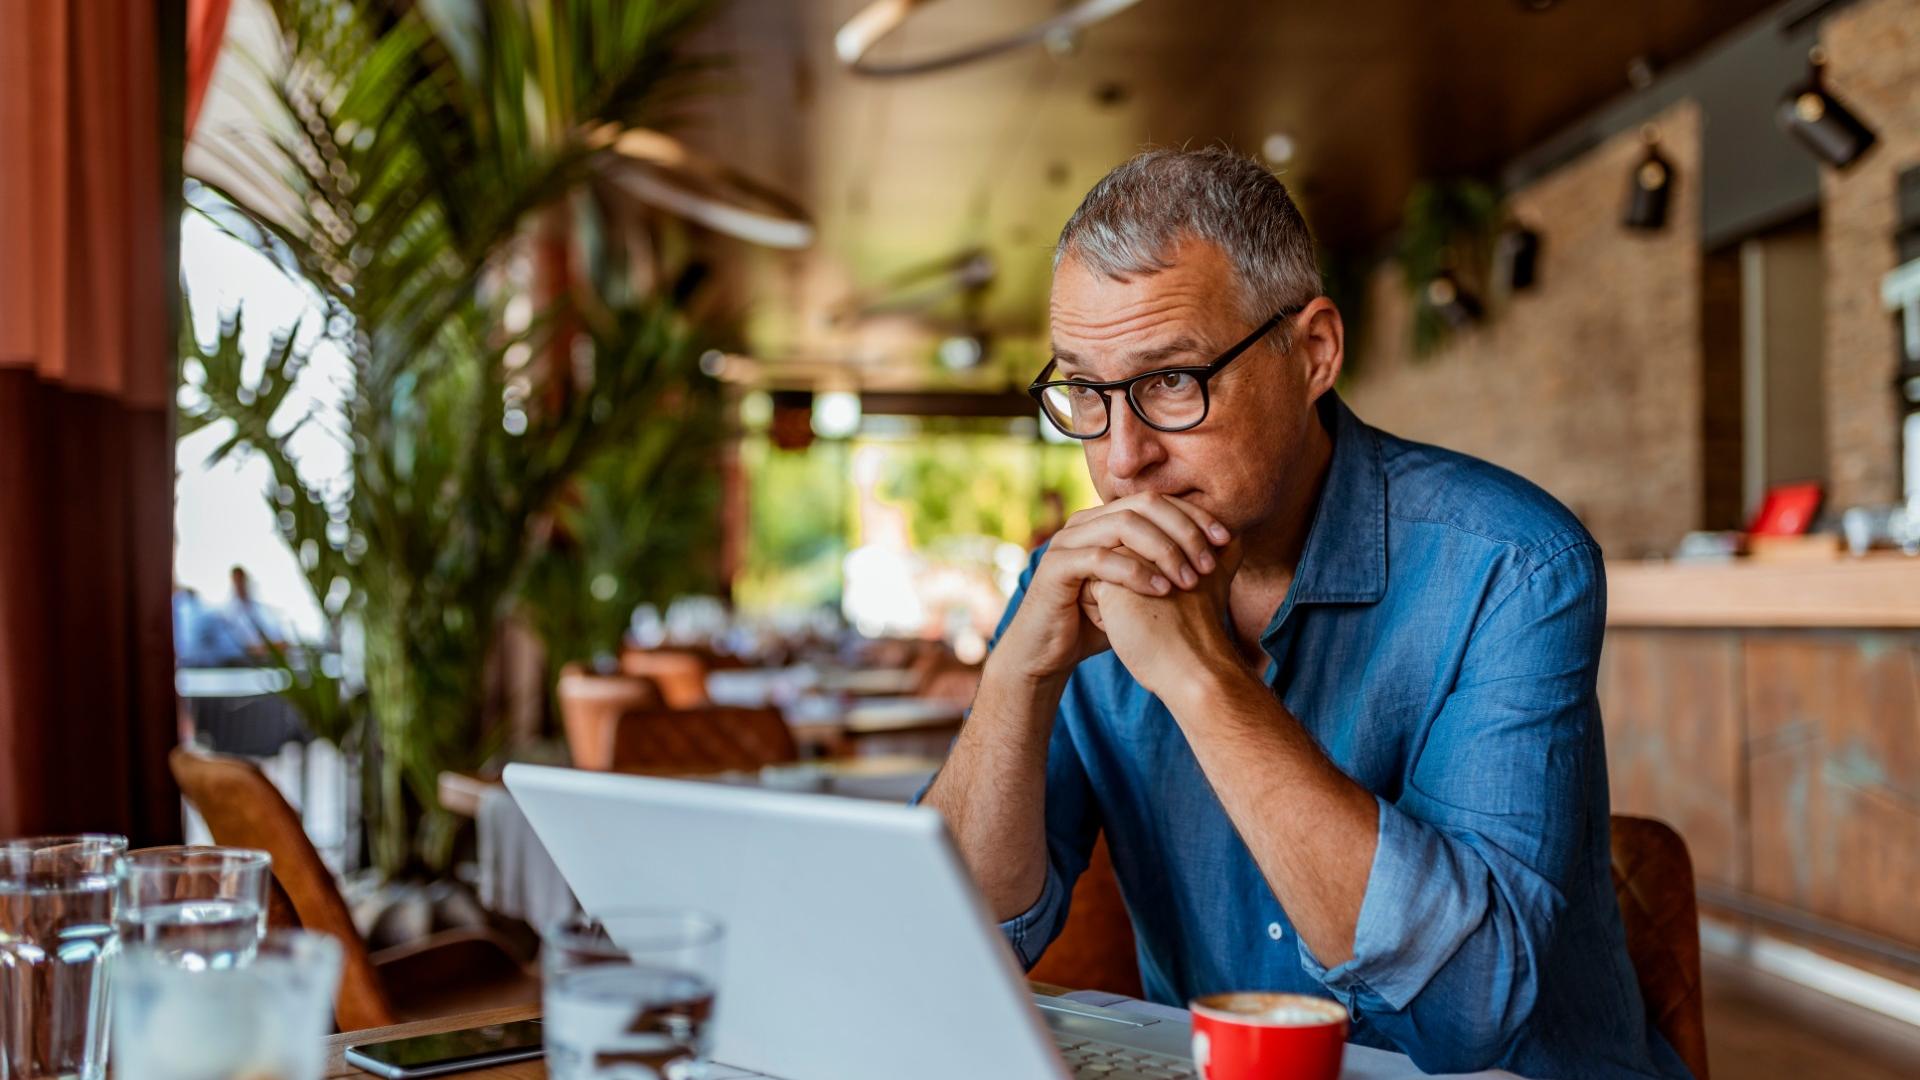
(1137, 214)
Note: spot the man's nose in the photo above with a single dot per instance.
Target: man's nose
(1132, 446)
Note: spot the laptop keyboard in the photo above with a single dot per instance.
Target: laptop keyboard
(1105, 1061)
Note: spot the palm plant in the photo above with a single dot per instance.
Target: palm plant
(415, 157)
(637, 527)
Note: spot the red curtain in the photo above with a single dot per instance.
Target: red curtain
(206, 26)
(90, 123)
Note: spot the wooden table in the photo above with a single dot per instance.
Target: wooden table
(870, 682)
(338, 1069)
(885, 726)
(1362, 1063)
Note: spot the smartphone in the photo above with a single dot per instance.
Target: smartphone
(449, 1051)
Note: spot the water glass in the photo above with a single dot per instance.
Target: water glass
(268, 1018)
(56, 945)
(206, 907)
(630, 995)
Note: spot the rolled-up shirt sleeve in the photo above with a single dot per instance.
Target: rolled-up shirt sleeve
(1072, 825)
(1072, 821)
(1476, 854)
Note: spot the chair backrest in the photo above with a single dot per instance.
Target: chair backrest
(1653, 877)
(681, 675)
(242, 808)
(710, 739)
(1095, 950)
(590, 709)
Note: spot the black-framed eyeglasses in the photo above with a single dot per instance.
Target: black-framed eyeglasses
(1167, 399)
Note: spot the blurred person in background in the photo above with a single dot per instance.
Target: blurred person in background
(192, 625)
(240, 632)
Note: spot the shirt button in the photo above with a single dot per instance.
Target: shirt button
(1276, 931)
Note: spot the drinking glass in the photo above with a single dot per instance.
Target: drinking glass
(630, 994)
(57, 944)
(266, 1018)
(206, 907)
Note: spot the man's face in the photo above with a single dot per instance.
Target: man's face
(1234, 464)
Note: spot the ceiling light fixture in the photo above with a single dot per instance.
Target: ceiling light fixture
(1822, 124)
(1516, 258)
(859, 34)
(967, 272)
(836, 414)
(963, 352)
(663, 172)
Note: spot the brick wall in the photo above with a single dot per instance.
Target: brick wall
(1873, 52)
(1590, 383)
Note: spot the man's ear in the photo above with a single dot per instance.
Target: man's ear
(1322, 344)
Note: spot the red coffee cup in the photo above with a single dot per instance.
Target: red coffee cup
(1266, 1036)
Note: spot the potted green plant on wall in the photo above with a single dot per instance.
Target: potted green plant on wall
(416, 159)
(1447, 236)
(641, 526)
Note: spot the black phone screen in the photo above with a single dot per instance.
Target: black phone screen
(451, 1047)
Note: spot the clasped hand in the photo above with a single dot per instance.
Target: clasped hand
(1146, 575)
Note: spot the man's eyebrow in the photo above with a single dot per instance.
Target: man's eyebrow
(1140, 359)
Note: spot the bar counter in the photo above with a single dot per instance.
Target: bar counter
(1771, 712)
(1880, 591)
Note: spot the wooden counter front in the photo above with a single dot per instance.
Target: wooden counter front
(1879, 591)
(1770, 711)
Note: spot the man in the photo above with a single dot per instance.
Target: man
(252, 630)
(1329, 693)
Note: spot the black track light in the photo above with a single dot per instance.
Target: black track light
(1822, 124)
(1650, 187)
(1456, 305)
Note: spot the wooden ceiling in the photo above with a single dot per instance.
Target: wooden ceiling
(1374, 94)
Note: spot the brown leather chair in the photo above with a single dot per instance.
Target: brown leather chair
(1653, 877)
(950, 680)
(681, 675)
(590, 710)
(1095, 950)
(710, 739)
(451, 972)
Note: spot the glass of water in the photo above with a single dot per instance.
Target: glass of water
(265, 1020)
(206, 907)
(630, 995)
(56, 944)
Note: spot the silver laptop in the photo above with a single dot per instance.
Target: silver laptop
(857, 947)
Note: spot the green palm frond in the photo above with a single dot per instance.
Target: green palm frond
(406, 152)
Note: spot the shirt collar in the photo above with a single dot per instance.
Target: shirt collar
(1345, 558)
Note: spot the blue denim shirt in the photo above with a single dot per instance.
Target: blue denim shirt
(1439, 641)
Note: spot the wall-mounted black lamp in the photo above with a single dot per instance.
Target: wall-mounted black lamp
(1818, 119)
(1516, 258)
(1456, 305)
(1650, 187)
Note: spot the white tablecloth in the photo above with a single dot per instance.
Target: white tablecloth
(517, 876)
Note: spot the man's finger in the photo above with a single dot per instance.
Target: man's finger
(1073, 567)
(1144, 537)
